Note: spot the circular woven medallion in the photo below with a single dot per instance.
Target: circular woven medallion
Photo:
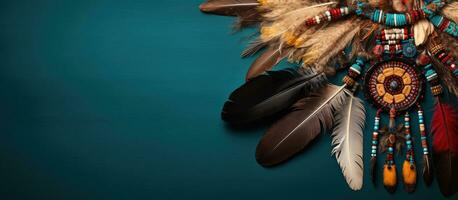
(394, 84)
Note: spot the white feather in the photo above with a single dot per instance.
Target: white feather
(422, 30)
(348, 140)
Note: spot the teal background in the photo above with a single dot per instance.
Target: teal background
(112, 99)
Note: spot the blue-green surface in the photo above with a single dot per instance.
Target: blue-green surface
(120, 99)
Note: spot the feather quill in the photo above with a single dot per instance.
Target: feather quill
(269, 93)
(348, 140)
(291, 134)
(445, 147)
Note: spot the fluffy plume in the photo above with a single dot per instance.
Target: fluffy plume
(279, 23)
(422, 30)
(451, 11)
(452, 43)
(269, 93)
(328, 42)
(445, 147)
(291, 134)
(389, 177)
(409, 175)
(348, 140)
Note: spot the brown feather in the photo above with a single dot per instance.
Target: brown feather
(291, 134)
(427, 170)
(452, 43)
(229, 7)
(266, 61)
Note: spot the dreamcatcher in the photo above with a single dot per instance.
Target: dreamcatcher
(392, 50)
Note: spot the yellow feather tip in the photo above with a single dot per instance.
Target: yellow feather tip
(289, 38)
(409, 173)
(389, 175)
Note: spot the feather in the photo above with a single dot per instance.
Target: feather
(266, 61)
(253, 48)
(452, 43)
(328, 42)
(427, 170)
(245, 10)
(445, 147)
(409, 174)
(347, 140)
(422, 30)
(373, 163)
(389, 177)
(451, 11)
(291, 134)
(229, 7)
(276, 25)
(269, 93)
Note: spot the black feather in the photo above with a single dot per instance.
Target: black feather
(270, 93)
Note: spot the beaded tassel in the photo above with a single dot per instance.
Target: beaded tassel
(389, 169)
(409, 172)
(436, 90)
(374, 146)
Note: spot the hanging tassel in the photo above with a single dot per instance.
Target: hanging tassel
(409, 171)
(389, 169)
(375, 134)
(427, 169)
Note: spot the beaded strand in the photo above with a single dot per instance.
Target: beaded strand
(375, 134)
(408, 136)
(424, 141)
(329, 15)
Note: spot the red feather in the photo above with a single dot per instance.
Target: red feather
(445, 147)
(445, 129)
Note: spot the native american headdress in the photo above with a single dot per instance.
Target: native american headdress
(390, 48)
